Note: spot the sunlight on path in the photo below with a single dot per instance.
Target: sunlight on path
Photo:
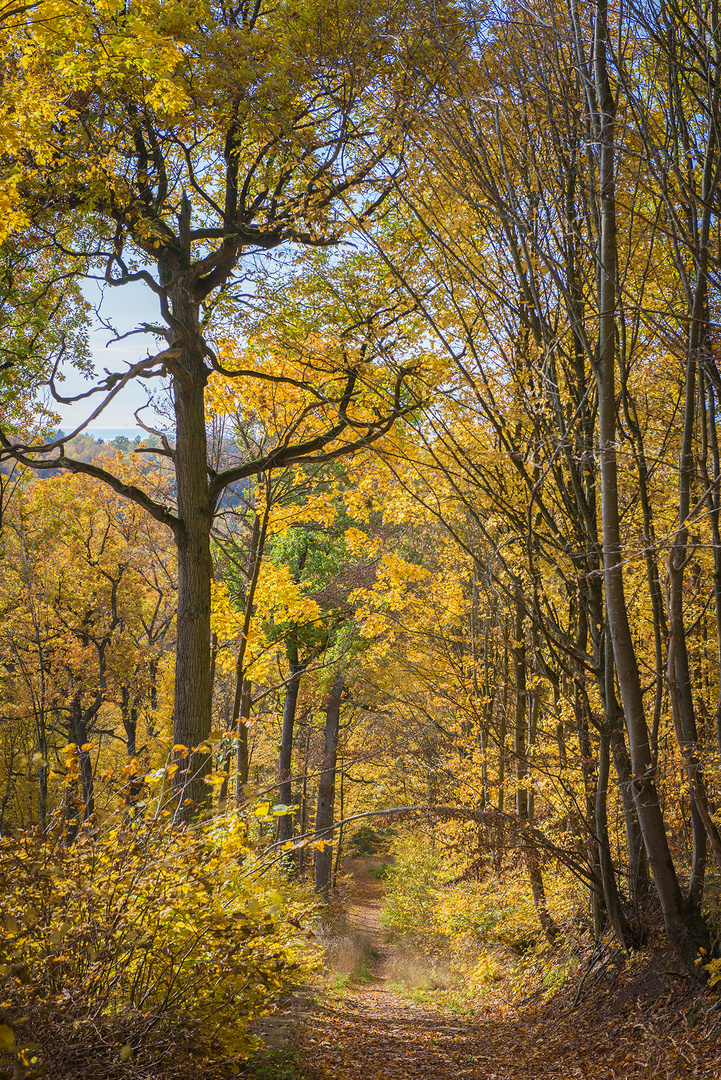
(368, 1031)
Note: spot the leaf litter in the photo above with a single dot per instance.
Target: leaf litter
(638, 1021)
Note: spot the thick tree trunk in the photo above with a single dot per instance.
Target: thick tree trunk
(326, 789)
(192, 715)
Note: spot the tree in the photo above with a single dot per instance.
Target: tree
(326, 787)
(42, 317)
(543, 311)
(87, 590)
(245, 135)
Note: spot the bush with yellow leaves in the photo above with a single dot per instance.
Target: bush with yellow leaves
(485, 931)
(413, 895)
(141, 948)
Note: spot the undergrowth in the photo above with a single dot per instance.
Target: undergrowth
(465, 942)
(349, 955)
(141, 949)
(273, 1065)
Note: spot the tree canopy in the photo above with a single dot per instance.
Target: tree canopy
(430, 530)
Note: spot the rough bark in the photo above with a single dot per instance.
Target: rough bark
(192, 712)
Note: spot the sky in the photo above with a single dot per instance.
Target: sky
(124, 307)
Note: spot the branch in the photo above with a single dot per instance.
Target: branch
(129, 491)
(458, 813)
(167, 448)
(306, 453)
(113, 388)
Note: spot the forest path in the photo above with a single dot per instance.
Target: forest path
(630, 1029)
(369, 1032)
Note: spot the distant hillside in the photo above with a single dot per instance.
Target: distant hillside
(88, 448)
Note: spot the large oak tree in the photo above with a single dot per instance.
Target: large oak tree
(193, 137)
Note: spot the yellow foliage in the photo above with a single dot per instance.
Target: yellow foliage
(190, 927)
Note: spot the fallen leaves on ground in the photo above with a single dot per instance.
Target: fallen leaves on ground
(640, 1021)
(373, 1034)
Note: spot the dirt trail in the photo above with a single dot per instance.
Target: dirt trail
(369, 1032)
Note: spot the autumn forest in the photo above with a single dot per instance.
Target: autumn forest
(360, 711)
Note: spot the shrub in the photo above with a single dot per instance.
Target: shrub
(413, 893)
(139, 944)
(479, 931)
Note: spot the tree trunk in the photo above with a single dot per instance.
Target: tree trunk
(285, 793)
(326, 789)
(43, 770)
(192, 715)
(685, 928)
(535, 875)
(611, 724)
(638, 879)
(242, 701)
(129, 717)
(79, 735)
(339, 847)
(710, 402)
(224, 766)
(590, 788)
(304, 804)
(242, 752)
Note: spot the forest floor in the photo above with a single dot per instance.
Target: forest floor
(647, 1022)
